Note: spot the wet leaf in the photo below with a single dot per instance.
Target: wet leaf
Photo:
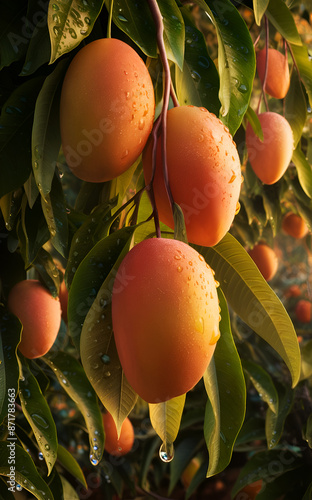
(10, 328)
(225, 386)
(197, 83)
(74, 381)
(48, 271)
(26, 473)
(296, 107)
(282, 19)
(259, 7)
(174, 32)
(46, 138)
(253, 300)
(39, 416)
(69, 23)
(263, 383)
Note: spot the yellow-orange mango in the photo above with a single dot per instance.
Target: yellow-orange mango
(277, 81)
(106, 110)
(303, 311)
(270, 158)
(165, 315)
(266, 260)
(204, 174)
(294, 225)
(40, 315)
(114, 445)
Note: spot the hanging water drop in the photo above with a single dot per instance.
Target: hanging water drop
(93, 460)
(166, 452)
(40, 455)
(18, 487)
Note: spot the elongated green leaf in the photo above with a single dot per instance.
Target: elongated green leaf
(228, 406)
(135, 19)
(46, 138)
(54, 210)
(48, 271)
(254, 121)
(69, 23)
(263, 383)
(274, 422)
(280, 16)
(10, 205)
(296, 107)
(86, 236)
(271, 202)
(253, 299)
(260, 7)
(174, 32)
(10, 328)
(68, 491)
(198, 82)
(99, 354)
(13, 37)
(38, 414)
(90, 276)
(259, 466)
(304, 63)
(15, 129)
(212, 426)
(304, 170)
(34, 57)
(26, 473)
(70, 464)
(236, 60)
(166, 418)
(72, 378)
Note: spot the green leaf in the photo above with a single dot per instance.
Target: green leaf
(304, 64)
(296, 107)
(236, 60)
(259, 7)
(198, 82)
(179, 224)
(13, 32)
(69, 23)
(286, 484)
(253, 300)
(15, 130)
(282, 19)
(272, 205)
(46, 137)
(73, 379)
(254, 121)
(304, 170)
(98, 349)
(263, 383)
(10, 205)
(274, 422)
(54, 210)
(135, 19)
(36, 58)
(71, 465)
(252, 429)
(165, 419)
(90, 276)
(48, 271)
(174, 33)
(10, 328)
(38, 414)
(227, 407)
(26, 473)
(260, 466)
(95, 227)
(68, 491)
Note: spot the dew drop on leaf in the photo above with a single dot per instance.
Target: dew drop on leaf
(166, 452)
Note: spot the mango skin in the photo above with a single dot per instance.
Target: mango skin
(117, 446)
(165, 314)
(204, 174)
(266, 260)
(278, 79)
(40, 315)
(106, 110)
(270, 158)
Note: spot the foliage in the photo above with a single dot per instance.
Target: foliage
(253, 407)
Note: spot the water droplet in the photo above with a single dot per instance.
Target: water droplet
(203, 62)
(107, 374)
(40, 421)
(122, 18)
(199, 324)
(243, 88)
(141, 124)
(87, 20)
(237, 208)
(179, 269)
(57, 31)
(214, 337)
(177, 257)
(128, 95)
(56, 18)
(82, 32)
(93, 460)
(40, 455)
(166, 452)
(18, 487)
(47, 447)
(55, 7)
(124, 154)
(106, 359)
(196, 76)
(64, 381)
